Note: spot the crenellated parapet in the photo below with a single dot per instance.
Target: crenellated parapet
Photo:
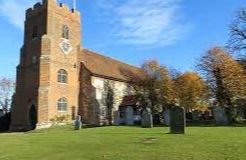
(30, 12)
(50, 4)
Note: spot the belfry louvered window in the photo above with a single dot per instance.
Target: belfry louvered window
(62, 76)
(65, 32)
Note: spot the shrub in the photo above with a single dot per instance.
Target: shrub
(61, 119)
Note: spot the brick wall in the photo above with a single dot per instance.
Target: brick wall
(41, 59)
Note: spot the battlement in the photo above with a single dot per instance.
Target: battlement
(46, 4)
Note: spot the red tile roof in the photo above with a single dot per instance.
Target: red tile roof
(107, 67)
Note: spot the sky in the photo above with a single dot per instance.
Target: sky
(175, 32)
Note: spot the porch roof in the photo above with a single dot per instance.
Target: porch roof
(130, 100)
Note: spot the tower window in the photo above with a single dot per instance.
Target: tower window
(65, 32)
(62, 76)
(35, 32)
(62, 104)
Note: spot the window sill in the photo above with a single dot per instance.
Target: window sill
(62, 111)
(61, 83)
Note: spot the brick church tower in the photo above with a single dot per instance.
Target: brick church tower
(47, 76)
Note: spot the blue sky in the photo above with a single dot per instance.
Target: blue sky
(176, 32)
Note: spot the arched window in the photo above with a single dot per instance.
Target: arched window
(65, 32)
(62, 104)
(62, 76)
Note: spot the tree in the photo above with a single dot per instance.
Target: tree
(237, 41)
(155, 90)
(191, 90)
(167, 95)
(224, 76)
(109, 100)
(6, 91)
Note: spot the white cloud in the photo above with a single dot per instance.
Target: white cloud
(14, 11)
(145, 22)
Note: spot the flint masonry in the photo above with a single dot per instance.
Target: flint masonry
(56, 76)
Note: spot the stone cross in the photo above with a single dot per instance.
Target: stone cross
(177, 120)
(147, 119)
(78, 123)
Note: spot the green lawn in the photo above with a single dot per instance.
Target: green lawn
(125, 143)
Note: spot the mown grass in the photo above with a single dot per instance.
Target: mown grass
(125, 143)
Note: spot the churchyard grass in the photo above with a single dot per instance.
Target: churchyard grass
(125, 143)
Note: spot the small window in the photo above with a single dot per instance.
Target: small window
(65, 32)
(62, 104)
(62, 76)
(35, 32)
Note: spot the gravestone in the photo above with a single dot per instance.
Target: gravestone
(177, 120)
(147, 119)
(78, 123)
(129, 115)
(166, 117)
(195, 115)
(220, 115)
(116, 118)
(241, 113)
(206, 115)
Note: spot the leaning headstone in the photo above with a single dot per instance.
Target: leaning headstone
(129, 115)
(177, 120)
(220, 115)
(147, 119)
(78, 123)
(166, 117)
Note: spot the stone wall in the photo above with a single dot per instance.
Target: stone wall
(92, 93)
(120, 89)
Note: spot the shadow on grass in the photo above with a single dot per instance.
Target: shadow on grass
(86, 126)
(216, 125)
(1, 132)
(160, 126)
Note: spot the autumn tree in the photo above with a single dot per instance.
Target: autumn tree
(167, 97)
(237, 41)
(6, 91)
(191, 91)
(225, 77)
(155, 89)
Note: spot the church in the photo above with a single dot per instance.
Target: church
(57, 77)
